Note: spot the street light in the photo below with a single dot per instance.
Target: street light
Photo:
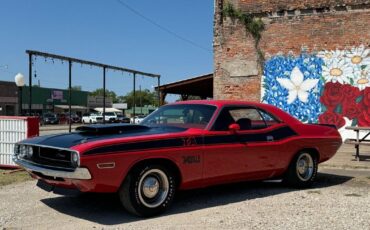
(19, 81)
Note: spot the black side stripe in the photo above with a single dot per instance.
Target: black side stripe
(277, 134)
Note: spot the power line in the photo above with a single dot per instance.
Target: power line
(162, 27)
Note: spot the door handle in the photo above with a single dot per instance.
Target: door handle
(270, 138)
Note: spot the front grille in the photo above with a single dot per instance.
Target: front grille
(52, 157)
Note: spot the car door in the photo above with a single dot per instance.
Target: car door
(248, 153)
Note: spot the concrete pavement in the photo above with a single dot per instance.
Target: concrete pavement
(345, 158)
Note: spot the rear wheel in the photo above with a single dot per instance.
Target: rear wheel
(148, 190)
(302, 170)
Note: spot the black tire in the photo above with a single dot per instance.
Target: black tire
(133, 189)
(302, 170)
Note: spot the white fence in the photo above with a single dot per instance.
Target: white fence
(12, 130)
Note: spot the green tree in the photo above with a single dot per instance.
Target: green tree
(108, 93)
(76, 88)
(190, 97)
(144, 96)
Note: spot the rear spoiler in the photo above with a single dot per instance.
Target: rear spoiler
(329, 125)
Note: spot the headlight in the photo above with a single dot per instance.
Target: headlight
(29, 151)
(23, 151)
(75, 159)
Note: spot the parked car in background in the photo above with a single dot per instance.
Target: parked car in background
(62, 118)
(74, 118)
(137, 119)
(91, 118)
(110, 117)
(185, 145)
(122, 119)
(50, 118)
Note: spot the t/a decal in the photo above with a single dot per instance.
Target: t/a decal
(191, 159)
(189, 141)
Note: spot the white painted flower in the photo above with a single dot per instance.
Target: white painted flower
(330, 56)
(358, 56)
(297, 86)
(364, 81)
(337, 71)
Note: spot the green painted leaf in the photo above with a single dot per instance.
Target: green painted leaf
(338, 109)
(354, 122)
(323, 108)
(359, 99)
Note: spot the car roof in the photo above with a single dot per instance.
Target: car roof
(220, 103)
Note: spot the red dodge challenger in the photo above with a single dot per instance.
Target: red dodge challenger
(183, 145)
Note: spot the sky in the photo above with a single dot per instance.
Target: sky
(170, 38)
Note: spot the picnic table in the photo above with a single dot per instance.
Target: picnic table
(358, 141)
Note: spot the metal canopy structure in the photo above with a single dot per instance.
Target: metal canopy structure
(201, 86)
(70, 60)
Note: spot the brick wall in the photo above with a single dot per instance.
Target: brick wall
(292, 27)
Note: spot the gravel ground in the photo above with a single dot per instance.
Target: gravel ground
(339, 200)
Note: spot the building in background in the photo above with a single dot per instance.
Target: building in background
(98, 102)
(53, 100)
(8, 98)
(311, 58)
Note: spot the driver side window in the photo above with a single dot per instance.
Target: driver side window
(246, 118)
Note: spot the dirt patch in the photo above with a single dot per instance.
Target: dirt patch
(13, 176)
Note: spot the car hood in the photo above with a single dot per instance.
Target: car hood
(90, 133)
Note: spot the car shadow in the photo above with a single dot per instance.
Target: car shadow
(106, 209)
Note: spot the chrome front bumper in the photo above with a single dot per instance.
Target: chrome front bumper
(78, 173)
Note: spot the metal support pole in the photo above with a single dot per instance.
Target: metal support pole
(159, 92)
(141, 104)
(104, 70)
(134, 103)
(30, 84)
(70, 95)
(20, 101)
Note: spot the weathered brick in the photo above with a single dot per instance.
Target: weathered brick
(283, 35)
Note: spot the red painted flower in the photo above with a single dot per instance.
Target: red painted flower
(366, 97)
(350, 93)
(351, 110)
(333, 95)
(332, 118)
(364, 118)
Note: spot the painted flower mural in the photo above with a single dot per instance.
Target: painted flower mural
(331, 87)
(337, 71)
(296, 86)
(340, 101)
(293, 84)
(346, 85)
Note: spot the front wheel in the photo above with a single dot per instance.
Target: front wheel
(148, 190)
(302, 170)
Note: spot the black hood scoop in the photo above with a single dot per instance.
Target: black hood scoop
(110, 128)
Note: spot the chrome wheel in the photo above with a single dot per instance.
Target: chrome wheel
(305, 167)
(153, 188)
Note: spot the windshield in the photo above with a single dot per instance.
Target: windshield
(181, 115)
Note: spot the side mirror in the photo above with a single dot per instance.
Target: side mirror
(234, 128)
